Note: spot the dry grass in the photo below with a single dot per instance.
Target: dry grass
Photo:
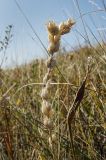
(78, 99)
(22, 133)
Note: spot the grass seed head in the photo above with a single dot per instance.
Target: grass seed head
(46, 77)
(53, 48)
(52, 139)
(70, 22)
(48, 123)
(57, 38)
(46, 108)
(44, 93)
(52, 28)
(65, 27)
(49, 86)
(51, 62)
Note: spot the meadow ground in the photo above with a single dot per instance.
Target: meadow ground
(22, 133)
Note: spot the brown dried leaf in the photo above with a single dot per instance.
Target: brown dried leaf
(77, 101)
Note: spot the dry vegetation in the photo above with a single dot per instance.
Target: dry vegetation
(22, 133)
(77, 97)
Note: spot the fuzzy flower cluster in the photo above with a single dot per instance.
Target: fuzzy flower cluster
(54, 35)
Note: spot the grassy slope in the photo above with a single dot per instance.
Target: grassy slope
(22, 134)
